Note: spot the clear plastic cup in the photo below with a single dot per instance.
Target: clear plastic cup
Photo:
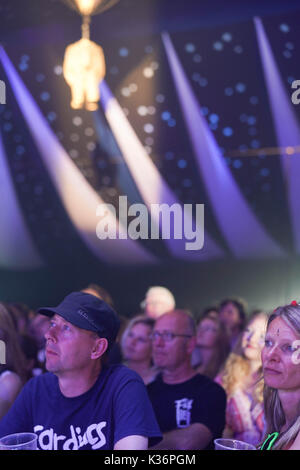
(232, 444)
(19, 441)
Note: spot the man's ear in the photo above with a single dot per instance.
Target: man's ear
(100, 346)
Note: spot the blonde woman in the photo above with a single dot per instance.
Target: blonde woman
(242, 382)
(13, 371)
(281, 369)
(136, 345)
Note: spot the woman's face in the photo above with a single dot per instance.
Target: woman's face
(280, 356)
(229, 315)
(137, 345)
(207, 333)
(253, 338)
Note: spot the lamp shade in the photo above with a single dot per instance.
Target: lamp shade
(90, 7)
(84, 69)
(84, 62)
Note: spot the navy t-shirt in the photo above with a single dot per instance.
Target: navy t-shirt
(115, 407)
(198, 400)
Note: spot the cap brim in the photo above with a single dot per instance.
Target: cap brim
(71, 318)
(49, 312)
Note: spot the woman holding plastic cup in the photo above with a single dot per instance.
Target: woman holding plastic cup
(281, 369)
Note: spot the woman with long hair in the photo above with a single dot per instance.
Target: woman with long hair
(212, 346)
(136, 345)
(232, 312)
(12, 368)
(281, 369)
(241, 379)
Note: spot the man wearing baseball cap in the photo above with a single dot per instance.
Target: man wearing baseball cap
(81, 403)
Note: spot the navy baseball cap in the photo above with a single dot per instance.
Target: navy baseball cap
(88, 312)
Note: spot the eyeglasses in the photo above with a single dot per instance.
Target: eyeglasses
(166, 336)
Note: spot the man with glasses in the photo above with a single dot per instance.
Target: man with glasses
(189, 407)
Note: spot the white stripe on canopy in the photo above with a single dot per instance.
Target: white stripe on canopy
(79, 199)
(17, 250)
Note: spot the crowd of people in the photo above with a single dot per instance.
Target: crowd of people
(81, 376)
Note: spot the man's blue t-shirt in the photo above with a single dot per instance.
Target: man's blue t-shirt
(115, 407)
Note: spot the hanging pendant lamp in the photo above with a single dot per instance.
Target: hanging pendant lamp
(84, 62)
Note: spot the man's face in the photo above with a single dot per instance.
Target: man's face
(68, 348)
(170, 355)
(156, 305)
(281, 370)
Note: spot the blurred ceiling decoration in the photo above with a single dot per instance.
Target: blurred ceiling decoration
(17, 250)
(90, 7)
(79, 199)
(217, 177)
(157, 192)
(57, 163)
(287, 129)
(84, 63)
